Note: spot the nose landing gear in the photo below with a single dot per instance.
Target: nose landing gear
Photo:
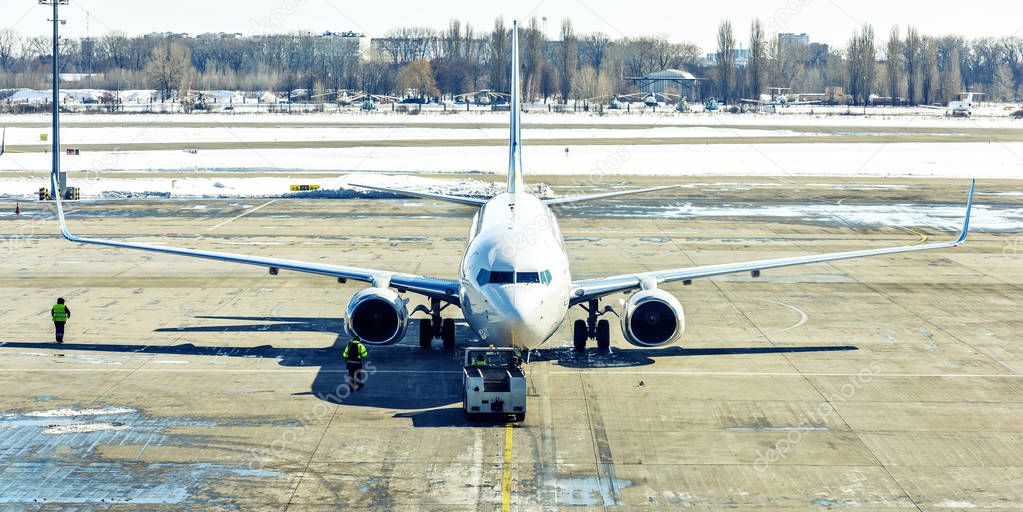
(592, 328)
(435, 326)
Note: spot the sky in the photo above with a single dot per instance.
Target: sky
(827, 21)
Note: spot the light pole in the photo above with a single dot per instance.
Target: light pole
(55, 136)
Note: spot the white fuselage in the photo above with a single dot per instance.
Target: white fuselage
(515, 280)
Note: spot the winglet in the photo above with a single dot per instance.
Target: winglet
(54, 185)
(966, 222)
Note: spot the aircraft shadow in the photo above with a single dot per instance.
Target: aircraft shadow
(400, 376)
(264, 324)
(628, 357)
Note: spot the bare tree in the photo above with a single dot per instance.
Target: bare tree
(929, 72)
(726, 60)
(594, 48)
(757, 58)
(569, 59)
(9, 42)
(499, 52)
(862, 64)
(170, 62)
(911, 58)
(893, 64)
(417, 77)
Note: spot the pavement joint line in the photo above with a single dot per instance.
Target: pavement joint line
(312, 455)
(506, 470)
(246, 212)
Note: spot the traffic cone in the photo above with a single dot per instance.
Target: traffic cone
(17, 209)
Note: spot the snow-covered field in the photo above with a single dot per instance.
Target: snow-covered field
(947, 160)
(188, 174)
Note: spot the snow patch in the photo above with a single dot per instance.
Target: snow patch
(66, 413)
(83, 428)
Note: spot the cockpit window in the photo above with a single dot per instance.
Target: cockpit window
(527, 277)
(499, 277)
(502, 277)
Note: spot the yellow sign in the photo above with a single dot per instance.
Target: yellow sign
(303, 188)
(43, 137)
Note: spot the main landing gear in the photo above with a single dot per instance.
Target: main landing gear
(592, 328)
(435, 326)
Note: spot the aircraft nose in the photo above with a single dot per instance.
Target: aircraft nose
(521, 321)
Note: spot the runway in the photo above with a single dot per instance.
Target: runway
(879, 384)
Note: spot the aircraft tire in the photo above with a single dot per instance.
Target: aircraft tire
(447, 333)
(579, 335)
(603, 335)
(425, 333)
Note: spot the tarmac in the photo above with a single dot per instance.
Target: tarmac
(875, 384)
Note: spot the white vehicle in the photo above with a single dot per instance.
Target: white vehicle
(514, 287)
(493, 384)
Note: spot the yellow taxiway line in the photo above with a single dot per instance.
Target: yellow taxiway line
(506, 475)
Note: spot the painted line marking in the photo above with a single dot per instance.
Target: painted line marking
(802, 317)
(923, 237)
(506, 474)
(586, 370)
(246, 212)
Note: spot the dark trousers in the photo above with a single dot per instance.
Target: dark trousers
(59, 327)
(356, 377)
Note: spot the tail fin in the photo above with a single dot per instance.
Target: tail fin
(515, 106)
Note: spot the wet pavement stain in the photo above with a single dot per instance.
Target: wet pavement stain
(50, 457)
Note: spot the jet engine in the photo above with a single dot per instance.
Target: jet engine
(652, 318)
(378, 316)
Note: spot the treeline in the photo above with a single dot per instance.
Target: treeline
(907, 67)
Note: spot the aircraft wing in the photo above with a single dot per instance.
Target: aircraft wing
(933, 107)
(470, 201)
(443, 289)
(591, 197)
(585, 290)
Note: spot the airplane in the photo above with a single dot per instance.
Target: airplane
(482, 97)
(777, 98)
(958, 108)
(514, 285)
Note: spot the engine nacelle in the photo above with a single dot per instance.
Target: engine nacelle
(378, 316)
(652, 318)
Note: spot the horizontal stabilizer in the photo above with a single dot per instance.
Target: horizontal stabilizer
(471, 201)
(605, 195)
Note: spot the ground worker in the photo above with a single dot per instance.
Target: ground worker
(60, 314)
(355, 358)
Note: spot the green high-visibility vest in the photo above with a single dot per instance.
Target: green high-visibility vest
(356, 355)
(59, 313)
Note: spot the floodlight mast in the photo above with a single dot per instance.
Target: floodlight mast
(55, 136)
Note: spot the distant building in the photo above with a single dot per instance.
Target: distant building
(741, 57)
(354, 41)
(788, 40)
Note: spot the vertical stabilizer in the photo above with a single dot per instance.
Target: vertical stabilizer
(515, 106)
